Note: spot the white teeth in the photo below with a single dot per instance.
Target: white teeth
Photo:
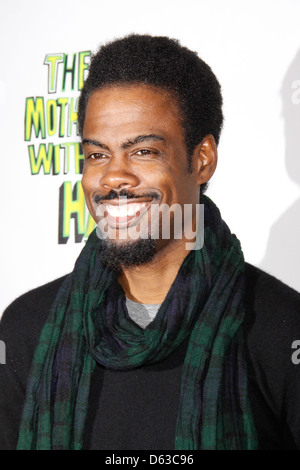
(124, 210)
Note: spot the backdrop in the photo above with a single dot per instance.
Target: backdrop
(253, 48)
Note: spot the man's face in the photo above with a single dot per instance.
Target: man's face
(134, 146)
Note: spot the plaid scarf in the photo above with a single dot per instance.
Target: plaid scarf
(89, 323)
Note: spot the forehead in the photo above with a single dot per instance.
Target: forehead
(132, 108)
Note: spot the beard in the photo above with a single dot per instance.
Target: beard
(126, 255)
(119, 256)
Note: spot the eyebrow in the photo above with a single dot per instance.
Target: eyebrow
(142, 138)
(129, 143)
(96, 143)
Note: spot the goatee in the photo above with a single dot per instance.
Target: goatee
(126, 255)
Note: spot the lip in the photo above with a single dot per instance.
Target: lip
(124, 217)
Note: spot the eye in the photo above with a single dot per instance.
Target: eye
(145, 152)
(97, 156)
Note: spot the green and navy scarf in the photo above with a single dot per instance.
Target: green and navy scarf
(89, 324)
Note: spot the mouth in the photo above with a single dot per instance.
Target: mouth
(120, 214)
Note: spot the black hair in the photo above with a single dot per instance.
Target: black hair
(161, 62)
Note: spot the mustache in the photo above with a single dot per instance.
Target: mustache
(124, 193)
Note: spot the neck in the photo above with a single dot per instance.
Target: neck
(150, 283)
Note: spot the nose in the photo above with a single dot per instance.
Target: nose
(118, 174)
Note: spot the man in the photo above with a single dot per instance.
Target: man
(152, 342)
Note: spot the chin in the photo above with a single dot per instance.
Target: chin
(124, 254)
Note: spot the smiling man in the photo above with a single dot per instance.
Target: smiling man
(135, 156)
(152, 342)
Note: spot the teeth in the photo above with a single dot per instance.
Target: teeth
(124, 210)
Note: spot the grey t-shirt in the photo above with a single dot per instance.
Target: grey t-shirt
(142, 314)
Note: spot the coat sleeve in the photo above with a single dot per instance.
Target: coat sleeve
(20, 329)
(273, 345)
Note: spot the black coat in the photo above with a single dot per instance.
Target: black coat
(137, 409)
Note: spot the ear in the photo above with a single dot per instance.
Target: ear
(205, 159)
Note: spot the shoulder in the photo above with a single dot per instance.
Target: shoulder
(270, 303)
(266, 287)
(22, 322)
(20, 328)
(272, 320)
(31, 309)
(271, 326)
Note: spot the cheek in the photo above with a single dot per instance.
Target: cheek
(176, 179)
(185, 189)
(89, 181)
(163, 182)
